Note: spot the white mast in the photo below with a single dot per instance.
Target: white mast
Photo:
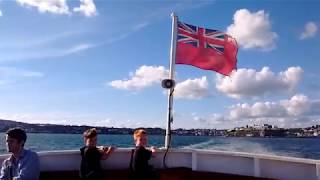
(171, 76)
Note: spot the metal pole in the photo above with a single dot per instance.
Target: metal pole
(171, 76)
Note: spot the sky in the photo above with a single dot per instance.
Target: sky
(100, 63)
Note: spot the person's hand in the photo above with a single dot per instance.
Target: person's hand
(109, 149)
(106, 151)
(153, 149)
(100, 149)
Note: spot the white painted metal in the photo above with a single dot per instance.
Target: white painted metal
(257, 167)
(171, 76)
(194, 161)
(268, 166)
(318, 171)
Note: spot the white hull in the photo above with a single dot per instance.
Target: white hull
(267, 166)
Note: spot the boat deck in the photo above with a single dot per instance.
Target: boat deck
(162, 174)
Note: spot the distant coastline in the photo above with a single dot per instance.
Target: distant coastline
(248, 131)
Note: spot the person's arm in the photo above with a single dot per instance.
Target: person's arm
(149, 153)
(30, 169)
(106, 152)
(4, 173)
(153, 150)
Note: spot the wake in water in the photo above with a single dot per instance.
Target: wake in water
(238, 145)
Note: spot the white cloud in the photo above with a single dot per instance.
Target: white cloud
(1, 13)
(51, 6)
(67, 118)
(23, 42)
(192, 89)
(139, 26)
(252, 83)
(42, 47)
(213, 119)
(15, 72)
(299, 106)
(310, 30)
(87, 7)
(77, 48)
(9, 75)
(143, 77)
(298, 111)
(135, 28)
(58, 118)
(118, 38)
(257, 110)
(34, 54)
(252, 30)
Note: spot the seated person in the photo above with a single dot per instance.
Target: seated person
(22, 164)
(91, 156)
(139, 163)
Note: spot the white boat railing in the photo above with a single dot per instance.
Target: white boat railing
(257, 165)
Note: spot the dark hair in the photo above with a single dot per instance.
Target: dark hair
(90, 133)
(17, 133)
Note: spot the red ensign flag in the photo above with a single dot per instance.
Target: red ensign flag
(206, 49)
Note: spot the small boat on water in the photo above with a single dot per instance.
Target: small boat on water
(181, 164)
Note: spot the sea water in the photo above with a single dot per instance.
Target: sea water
(294, 147)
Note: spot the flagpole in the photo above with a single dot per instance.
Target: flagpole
(171, 76)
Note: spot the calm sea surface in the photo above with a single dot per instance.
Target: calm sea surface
(295, 147)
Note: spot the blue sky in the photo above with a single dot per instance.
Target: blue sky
(101, 63)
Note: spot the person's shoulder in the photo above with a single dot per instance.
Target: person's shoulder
(141, 149)
(82, 148)
(31, 153)
(90, 150)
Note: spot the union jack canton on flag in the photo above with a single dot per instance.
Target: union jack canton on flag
(206, 49)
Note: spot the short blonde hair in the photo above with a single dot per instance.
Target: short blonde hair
(90, 133)
(138, 133)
